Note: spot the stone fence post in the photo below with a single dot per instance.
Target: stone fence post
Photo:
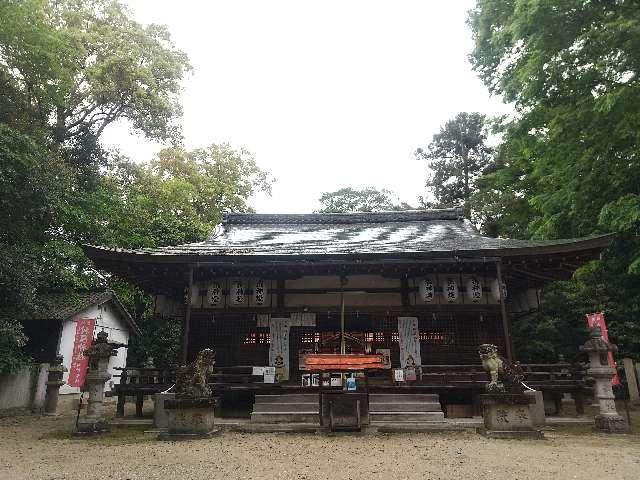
(632, 381)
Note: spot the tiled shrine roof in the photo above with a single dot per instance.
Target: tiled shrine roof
(406, 233)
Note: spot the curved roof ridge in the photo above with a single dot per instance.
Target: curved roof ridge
(455, 213)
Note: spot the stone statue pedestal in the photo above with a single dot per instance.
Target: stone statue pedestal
(189, 419)
(508, 415)
(159, 411)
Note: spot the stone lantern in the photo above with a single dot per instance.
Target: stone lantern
(598, 350)
(54, 382)
(95, 422)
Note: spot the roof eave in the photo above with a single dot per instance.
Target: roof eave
(578, 245)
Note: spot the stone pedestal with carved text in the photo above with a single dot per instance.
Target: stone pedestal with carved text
(508, 415)
(608, 420)
(189, 419)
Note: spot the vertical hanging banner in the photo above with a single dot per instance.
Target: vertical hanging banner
(279, 347)
(597, 320)
(82, 341)
(409, 340)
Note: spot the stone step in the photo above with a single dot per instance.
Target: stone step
(285, 417)
(290, 398)
(413, 417)
(285, 407)
(404, 407)
(417, 427)
(276, 427)
(403, 397)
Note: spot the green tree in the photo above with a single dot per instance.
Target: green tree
(456, 157)
(68, 69)
(178, 197)
(80, 65)
(368, 199)
(568, 165)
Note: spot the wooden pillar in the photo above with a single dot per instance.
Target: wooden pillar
(187, 320)
(506, 324)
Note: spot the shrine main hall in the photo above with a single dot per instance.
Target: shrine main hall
(423, 288)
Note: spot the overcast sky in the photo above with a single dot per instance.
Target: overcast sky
(325, 94)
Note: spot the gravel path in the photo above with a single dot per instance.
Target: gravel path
(39, 448)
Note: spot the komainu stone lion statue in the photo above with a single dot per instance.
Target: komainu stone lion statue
(191, 379)
(505, 377)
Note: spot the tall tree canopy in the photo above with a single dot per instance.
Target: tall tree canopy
(456, 157)
(69, 69)
(76, 66)
(569, 162)
(368, 199)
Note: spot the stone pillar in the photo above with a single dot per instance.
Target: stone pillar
(598, 348)
(94, 421)
(54, 382)
(632, 381)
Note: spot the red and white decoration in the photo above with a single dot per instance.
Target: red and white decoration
(82, 341)
(597, 320)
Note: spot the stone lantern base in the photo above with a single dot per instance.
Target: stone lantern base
(611, 424)
(189, 419)
(87, 428)
(508, 415)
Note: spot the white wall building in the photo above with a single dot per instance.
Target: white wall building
(54, 334)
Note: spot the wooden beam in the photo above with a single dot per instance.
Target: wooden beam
(506, 324)
(187, 319)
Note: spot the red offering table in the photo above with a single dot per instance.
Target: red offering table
(332, 362)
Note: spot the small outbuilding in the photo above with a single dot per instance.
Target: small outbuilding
(52, 330)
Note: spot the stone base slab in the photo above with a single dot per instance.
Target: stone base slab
(512, 434)
(611, 424)
(90, 434)
(170, 437)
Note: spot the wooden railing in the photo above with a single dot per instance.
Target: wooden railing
(553, 380)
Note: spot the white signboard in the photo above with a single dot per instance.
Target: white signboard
(279, 346)
(409, 342)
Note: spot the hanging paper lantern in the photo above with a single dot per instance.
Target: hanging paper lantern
(237, 293)
(450, 290)
(474, 290)
(533, 301)
(427, 290)
(214, 294)
(259, 292)
(196, 298)
(496, 290)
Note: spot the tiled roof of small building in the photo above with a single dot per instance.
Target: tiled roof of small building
(384, 233)
(62, 306)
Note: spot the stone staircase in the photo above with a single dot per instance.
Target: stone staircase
(288, 408)
(404, 408)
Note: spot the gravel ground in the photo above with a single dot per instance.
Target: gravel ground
(40, 448)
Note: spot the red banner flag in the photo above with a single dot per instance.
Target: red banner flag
(79, 363)
(597, 320)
